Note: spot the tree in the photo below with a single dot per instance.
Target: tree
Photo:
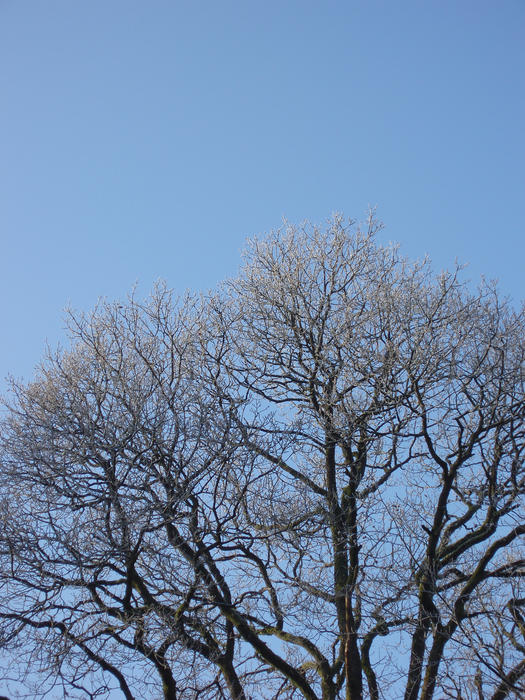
(308, 484)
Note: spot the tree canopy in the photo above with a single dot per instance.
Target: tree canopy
(308, 483)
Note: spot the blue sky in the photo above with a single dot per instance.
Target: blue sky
(148, 139)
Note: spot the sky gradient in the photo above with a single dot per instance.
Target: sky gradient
(148, 140)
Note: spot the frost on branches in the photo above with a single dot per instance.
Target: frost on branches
(309, 484)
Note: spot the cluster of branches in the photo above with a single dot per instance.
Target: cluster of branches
(309, 484)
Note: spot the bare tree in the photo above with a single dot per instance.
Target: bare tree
(308, 484)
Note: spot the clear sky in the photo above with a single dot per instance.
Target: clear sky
(148, 139)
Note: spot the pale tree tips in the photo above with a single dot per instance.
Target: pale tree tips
(309, 483)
